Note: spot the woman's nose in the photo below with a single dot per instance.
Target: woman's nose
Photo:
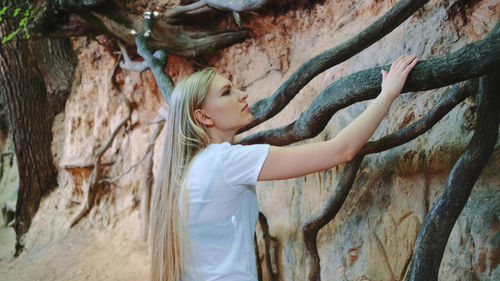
(242, 96)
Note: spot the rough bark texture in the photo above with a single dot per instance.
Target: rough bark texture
(471, 61)
(56, 61)
(22, 90)
(271, 249)
(437, 225)
(73, 18)
(236, 5)
(314, 223)
(268, 107)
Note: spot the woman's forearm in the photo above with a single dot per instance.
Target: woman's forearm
(288, 162)
(359, 131)
(355, 135)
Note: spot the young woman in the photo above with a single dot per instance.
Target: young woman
(204, 208)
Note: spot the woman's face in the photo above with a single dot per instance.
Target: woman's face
(225, 107)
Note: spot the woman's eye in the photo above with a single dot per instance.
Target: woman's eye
(226, 92)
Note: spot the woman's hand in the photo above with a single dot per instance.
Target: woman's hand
(393, 82)
(294, 161)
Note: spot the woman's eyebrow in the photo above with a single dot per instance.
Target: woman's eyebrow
(225, 87)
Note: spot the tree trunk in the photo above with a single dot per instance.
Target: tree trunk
(56, 61)
(22, 91)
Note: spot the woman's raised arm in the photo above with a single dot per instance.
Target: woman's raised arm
(295, 161)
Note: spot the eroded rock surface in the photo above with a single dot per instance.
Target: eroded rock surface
(373, 235)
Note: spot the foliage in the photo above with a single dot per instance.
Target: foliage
(23, 23)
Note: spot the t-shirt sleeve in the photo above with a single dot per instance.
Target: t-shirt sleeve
(242, 164)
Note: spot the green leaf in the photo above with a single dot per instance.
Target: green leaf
(1, 19)
(16, 11)
(23, 22)
(27, 13)
(3, 10)
(10, 36)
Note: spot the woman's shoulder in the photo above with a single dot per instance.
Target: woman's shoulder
(225, 149)
(212, 152)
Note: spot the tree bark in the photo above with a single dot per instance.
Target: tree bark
(314, 223)
(266, 108)
(438, 223)
(56, 60)
(91, 18)
(22, 91)
(473, 60)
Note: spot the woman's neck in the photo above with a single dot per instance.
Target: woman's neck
(218, 136)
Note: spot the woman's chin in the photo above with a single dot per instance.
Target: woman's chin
(250, 119)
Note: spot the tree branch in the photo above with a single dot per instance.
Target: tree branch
(271, 248)
(236, 5)
(177, 14)
(266, 108)
(438, 223)
(95, 181)
(156, 63)
(448, 101)
(147, 182)
(313, 224)
(110, 180)
(180, 11)
(129, 64)
(471, 61)
(72, 18)
(2, 155)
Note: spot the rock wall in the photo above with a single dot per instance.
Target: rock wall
(373, 235)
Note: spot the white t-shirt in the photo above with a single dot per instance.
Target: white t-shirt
(223, 211)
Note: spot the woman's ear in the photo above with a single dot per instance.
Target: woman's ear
(203, 118)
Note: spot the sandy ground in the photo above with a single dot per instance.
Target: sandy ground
(115, 253)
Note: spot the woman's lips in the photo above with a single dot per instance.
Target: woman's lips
(245, 108)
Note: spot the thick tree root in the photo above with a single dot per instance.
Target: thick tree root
(271, 252)
(313, 224)
(471, 61)
(266, 108)
(438, 223)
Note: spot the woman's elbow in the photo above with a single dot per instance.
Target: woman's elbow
(349, 157)
(350, 153)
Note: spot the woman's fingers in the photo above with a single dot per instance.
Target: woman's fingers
(409, 59)
(403, 62)
(396, 63)
(410, 66)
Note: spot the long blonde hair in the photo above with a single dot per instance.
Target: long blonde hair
(185, 137)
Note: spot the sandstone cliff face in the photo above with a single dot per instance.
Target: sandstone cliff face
(373, 235)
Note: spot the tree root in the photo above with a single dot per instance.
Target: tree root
(438, 223)
(271, 246)
(471, 61)
(313, 224)
(2, 155)
(266, 108)
(95, 182)
(156, 62)
(147, 182)
(74, 18)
